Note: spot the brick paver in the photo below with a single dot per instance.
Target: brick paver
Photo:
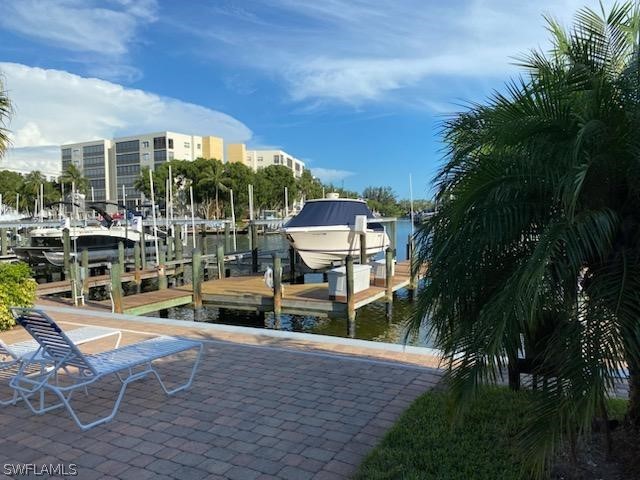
(253, 412)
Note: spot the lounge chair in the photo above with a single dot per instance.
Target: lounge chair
(71, 370)
(11, 356)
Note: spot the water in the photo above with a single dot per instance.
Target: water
(371, 322)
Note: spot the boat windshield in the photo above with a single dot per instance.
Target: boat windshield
(327, 212)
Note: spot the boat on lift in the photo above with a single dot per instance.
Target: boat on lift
(324, 232)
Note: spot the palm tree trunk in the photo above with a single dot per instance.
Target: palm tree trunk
(217, 210)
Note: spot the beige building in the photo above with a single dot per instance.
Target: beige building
(113, 164)
(256, 159)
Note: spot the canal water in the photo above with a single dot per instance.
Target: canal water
(371, 321)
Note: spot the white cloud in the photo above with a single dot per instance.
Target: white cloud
(99, 34)
(355, 51)
(53, 107)
(330, 175)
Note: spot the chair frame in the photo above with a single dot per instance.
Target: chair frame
(129, 363)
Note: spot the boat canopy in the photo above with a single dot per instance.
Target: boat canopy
(323, 213)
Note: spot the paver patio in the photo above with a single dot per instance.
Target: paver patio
(257, 409)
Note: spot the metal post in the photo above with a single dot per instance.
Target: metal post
(116, 287)
(277, 288)
(66, 245)
(254, 247)
(351, 310)
(196, 268)
(220, 261)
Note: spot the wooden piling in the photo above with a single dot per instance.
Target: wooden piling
(84, 265)
(170, 248)
(277, 289)
(137, 262)
(292, 265)
(388, 256)
(121, 259)
(116, 287)
(143, 248)
(393, 240)
(220, 261)
(196, 269)
(66, 246)
(177, 243)
(227, 237)
(4, 244)
(203, 239)
(351, 309)
(363, 248)
(162, 273)
(254, 247)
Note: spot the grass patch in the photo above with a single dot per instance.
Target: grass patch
(424, 445)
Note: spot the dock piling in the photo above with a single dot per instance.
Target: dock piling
(351, 310)
(84, 265)
(121, 259)
(66, 246)
(363, 248)
(220, 261)
(412, 268)
(292, 265)
(388, 256)
(227, 237)
(162, 273)
(4, 250)
(116, 287)
(196, 269)
(137, 263)
(254, 247)
(143, 249)
(177, 243)
(277, 289)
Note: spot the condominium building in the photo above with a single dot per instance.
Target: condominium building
(114, 165)
(256, 159)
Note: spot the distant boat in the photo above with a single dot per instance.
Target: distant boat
(323, 233)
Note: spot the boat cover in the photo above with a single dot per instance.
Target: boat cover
(331, 212)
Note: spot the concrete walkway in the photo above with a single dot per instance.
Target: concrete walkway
(261, 407)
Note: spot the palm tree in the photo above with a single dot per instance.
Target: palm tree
(73, 176)
(537, 234)
(213, 176)
(5, 113)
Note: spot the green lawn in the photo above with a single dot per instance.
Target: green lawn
(424, 445)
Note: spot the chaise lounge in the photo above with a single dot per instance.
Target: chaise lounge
(69, 369)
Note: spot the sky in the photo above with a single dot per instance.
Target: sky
(357, 89)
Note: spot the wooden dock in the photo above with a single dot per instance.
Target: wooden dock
(251, 293)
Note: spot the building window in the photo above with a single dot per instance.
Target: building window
(187, 145)
(289, 162)
(66, 153)
(170, 155)
(93, 161)
(198, 146)
(127, 158)
(145, 144)
(159, 156)
(128, 170)
(171, 143)
(128, 146)
(93, 150)
(297, 167)
(159, 143)
(276, 159)
(260, 159)
(145, 157)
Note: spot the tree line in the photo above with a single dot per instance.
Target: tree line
(212, 182)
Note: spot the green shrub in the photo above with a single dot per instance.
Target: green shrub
(17, 289)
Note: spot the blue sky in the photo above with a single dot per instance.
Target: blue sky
(355, 88)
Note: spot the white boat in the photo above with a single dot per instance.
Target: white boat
(324, 232)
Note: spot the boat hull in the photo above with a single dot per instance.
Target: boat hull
(322, 248)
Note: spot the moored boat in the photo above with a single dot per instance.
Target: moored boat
(324, 232)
